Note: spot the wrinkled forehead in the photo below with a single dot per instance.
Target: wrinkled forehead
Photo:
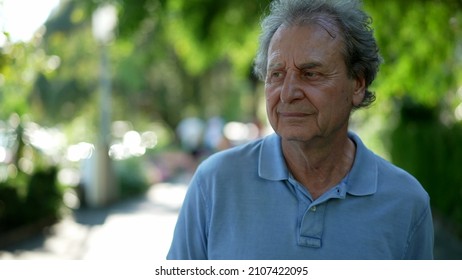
(326, 21)
(333, 32)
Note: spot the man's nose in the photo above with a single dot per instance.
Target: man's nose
(292, 89)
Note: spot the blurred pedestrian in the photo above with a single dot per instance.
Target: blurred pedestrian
(213, 136)
(191, 134)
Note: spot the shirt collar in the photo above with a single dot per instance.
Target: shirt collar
(272, 165)
(361, 181)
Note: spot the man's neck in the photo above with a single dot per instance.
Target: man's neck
(318, 166)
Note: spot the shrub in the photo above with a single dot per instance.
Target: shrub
(432, 152)
(131, 177)
(38, 198)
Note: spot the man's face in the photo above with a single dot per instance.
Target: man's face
(308, 91)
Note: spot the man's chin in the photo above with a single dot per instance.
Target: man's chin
(296, 136)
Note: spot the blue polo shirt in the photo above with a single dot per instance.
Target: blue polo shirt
(243, 203)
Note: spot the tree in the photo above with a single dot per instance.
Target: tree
(21, 62)
(420, 43)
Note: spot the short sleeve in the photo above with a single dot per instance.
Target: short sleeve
(421, 241)
(189, 238)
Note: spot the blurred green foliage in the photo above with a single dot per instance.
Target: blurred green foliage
(420, 42)
(29, 189)
(27, 199)
(132, 177)
(432, 152)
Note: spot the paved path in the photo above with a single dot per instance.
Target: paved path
(135, 229)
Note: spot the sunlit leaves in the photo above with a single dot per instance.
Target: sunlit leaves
(418, 44)
(22, 63)
(204, 31)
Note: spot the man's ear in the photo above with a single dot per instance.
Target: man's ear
(359, 91)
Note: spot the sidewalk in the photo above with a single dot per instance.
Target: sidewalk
(139, 228)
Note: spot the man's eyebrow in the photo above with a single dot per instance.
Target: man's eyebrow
(308, 65)
(275, 65)
(300, 66)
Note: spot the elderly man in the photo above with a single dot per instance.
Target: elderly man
(311, 190)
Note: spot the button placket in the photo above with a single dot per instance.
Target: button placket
(312, 213)
(311, 227)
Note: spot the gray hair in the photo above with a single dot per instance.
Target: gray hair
(360, 51)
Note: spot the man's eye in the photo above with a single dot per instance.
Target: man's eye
(276, 74)
(309, 74)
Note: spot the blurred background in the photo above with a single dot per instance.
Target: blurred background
(107, 107)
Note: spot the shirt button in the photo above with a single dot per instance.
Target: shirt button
(313, 209)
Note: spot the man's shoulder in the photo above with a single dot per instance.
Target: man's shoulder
(234, 157)
(400, 181)
(389, 177)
